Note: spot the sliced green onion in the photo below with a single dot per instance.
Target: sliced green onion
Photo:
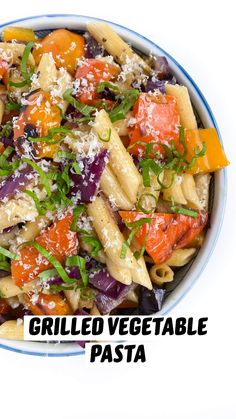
(41, 173)
(8, 254)
(184, 211)
(57, 265)
(18, 84)
(81, 264)
(141, 207)
(86, 110)
(56, 288)
(107, 138)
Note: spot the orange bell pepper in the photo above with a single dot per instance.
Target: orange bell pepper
(166, 232)
(215, 157)
(48, 304)
(44, 115)
(11, 33)
(91, 72)
(157, 120)
(65, 46)
(58, 239)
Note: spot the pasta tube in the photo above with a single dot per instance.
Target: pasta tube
(190, 192)
(9, 289)
(12, 52)
(161, 273)
(12, 329)
(114, 44)
(181, 257)
(202, 182)
(17, 211)
(109, 233)
(187, 117)
(174, 192)
(122, 275)
(112, 189)
(47, 73)
(120, 160)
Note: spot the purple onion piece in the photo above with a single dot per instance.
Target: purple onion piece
(3, 273)
(105, 283)
(105, 304)
(15, 183)
(153, 83)
(161, 68)
(150, 301)
(85, 185)
(92, 47)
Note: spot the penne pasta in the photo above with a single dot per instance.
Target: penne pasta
(181, 257)
(174, 192)
(109, 233)
(140, 275)
(202, 182)
(17, 211)
(31, 230)
(9, 289)
(47, 73)
(187, 117)
(121, 126)
(122, 275)
(189, 190)
(148, 196)
(161, 273)
(114, 44)
(73, 298)
(5, 238)
(13, 53)
(120, 160)
(12, 329)
(111, 187)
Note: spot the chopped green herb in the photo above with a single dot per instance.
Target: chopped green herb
(107, 85)
(76, 214)
(38, 205)
(76, 168)
(184, 211)
(91, 241)
(23, 67)
(87, 294)
(8, 254)
(86, 110)
(57, 265)
(120, 111)
(81, 264)
(49, 139)
(135, 226)
(6, 129)
(49, 273)
(40, 171)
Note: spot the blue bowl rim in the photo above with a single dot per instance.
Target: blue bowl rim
(59, 354)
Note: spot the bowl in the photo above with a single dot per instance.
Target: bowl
(190, 273)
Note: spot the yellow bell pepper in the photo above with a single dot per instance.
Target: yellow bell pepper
(11, 33)
(214, 158)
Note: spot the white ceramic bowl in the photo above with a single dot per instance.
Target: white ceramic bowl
(220, 185)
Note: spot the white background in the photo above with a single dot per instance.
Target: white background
(187, 378)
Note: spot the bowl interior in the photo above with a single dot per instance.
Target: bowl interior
(187, 275)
